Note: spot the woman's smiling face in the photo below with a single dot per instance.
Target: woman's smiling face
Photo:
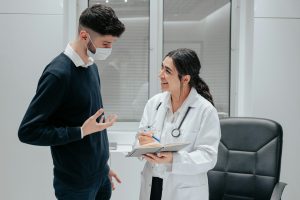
(169, 80)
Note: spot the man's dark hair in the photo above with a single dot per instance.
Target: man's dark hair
(101, 19)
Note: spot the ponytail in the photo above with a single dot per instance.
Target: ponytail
(202, 88)
(187, 62)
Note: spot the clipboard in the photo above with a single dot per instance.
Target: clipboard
(156, 148)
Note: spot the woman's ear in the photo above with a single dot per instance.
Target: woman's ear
(186, 79)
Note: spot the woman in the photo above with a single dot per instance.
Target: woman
(184, 112)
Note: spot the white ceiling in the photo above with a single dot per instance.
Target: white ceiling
(174, 10)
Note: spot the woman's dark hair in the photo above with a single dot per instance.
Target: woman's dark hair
(101, 19)
(187, 62)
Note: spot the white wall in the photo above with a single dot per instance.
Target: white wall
(210, 39)
(31, 35)
(274, 84)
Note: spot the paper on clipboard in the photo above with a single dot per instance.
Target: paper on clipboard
(156, 148)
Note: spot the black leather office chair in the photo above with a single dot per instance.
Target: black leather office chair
(249, 158)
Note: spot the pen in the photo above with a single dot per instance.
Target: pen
(155, 138)
(148, 128)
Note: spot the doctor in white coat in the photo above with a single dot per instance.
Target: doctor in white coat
(184, 112)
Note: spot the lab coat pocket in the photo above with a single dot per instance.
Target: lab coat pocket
(189, 181)
(193, 193)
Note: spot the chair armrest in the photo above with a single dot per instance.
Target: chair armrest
(277, 192)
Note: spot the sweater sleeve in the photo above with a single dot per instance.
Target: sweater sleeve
(36, 128)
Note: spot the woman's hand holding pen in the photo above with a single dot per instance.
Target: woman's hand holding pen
(146, 138)
(91, 125)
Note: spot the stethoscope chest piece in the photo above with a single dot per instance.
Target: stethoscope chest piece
(175, 133)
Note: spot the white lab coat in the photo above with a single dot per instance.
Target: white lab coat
(186, 179)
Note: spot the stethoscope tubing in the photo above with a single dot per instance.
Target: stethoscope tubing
(176, 131)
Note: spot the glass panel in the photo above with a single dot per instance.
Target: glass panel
(124, 75)
(204, 26)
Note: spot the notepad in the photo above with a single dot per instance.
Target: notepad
(156, 148)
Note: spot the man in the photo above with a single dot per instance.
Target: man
(65, 111)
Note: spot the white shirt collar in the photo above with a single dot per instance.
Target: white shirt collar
(78, 62)
(190, 101)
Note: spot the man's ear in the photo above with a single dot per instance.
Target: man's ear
(83, 35)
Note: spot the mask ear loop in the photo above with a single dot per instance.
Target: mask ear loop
(92, 41)
(89, 45)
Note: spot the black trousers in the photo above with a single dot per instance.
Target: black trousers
(156, 188)
(101, 190)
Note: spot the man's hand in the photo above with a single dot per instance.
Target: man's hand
(112, 175)
(159, 158)
(91, 125)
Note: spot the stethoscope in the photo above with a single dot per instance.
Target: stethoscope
(176, 132)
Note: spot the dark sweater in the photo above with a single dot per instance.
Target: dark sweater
(66, 96)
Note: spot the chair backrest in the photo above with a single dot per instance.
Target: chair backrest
(249, 159)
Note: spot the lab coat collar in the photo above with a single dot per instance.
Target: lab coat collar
(190, 101)
(78, 62)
